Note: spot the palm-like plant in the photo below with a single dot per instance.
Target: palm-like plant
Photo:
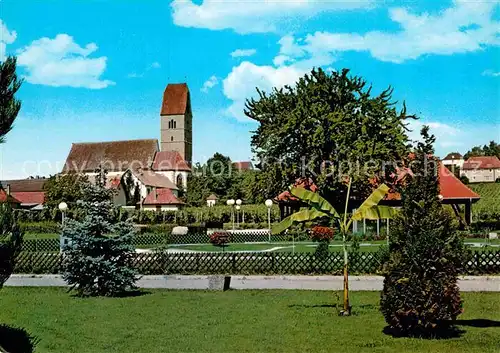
(319, 208)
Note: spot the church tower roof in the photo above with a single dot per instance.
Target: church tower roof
(175, 99)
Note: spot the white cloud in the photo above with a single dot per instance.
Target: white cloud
(155, 65)
(62, 62)
(210, 83)
(6, 37)
(240, 84)
(467, 26)
(446, 135)
(254, 16)
(239, 53)
(491, 73)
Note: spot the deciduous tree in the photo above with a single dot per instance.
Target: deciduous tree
(324, 127)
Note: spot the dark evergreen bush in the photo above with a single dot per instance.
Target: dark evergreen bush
(10, 242)
(420, 294)
(98, 256)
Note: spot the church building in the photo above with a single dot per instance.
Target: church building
(150, 171)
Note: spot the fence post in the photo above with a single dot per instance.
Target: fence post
(233, 261)
(273, 254)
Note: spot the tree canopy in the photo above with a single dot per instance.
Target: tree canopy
(325, 127)
(218, 176)
(67, 188)
(9, 105)
(492, 149)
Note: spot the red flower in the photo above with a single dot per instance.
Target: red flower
(319, 233)
(219, 238)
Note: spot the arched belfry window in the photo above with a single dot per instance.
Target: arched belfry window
(172, 124)
(180, 181)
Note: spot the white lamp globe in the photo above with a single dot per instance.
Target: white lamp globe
(269, 203)
(63, 206)
(230, 202)
(238, 207)
(440, 197)
(239, 202)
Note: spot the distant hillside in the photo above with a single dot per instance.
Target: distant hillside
(490, 197)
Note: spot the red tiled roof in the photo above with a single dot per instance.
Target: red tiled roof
(452, 188)
(175, 99)
(244, 165)
(163, 197)
(305, 183)
(150, 178)
(7, 198)
(485, 162)
(25, 185)
(169, 160)
(36, 197)
(113, 156)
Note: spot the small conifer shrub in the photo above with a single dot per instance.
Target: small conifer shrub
(99, 253)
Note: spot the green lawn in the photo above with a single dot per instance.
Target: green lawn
(234, 321)
(276, 247)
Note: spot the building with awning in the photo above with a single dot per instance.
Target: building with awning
(452, 192)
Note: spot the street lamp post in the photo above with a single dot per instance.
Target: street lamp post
(238, 207)
(63, 207)
(231, 203)
(269, 204)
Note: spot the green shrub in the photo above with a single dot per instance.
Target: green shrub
(420, 294)
(44, 227)
(11, 238)
(98, 257)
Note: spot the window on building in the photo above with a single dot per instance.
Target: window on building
(171, 138)
(180, 181)
(172, 124)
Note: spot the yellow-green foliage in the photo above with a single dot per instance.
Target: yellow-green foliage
(490, 198)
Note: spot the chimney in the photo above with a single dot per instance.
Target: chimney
(8, 189)
(156, 195)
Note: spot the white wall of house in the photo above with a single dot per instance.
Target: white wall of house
(455, 162)
(481, 175)
(211, 203)
(162, 208)
(172, 175)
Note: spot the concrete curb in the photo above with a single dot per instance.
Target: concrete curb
(356, 283)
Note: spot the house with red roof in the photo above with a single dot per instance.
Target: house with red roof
(452, 192)
(29, 192)
(152, 164)
(243, 166)
(483, 169)
(6, 197)
(161, 200)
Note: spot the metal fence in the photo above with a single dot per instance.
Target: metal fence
(162, 263)
(157, 240)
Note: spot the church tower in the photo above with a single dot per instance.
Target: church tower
(176, 121)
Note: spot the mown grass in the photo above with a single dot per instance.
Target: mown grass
(234, 321)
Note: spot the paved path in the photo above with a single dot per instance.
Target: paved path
(356, 283)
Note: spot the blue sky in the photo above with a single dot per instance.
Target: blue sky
(96, 70)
